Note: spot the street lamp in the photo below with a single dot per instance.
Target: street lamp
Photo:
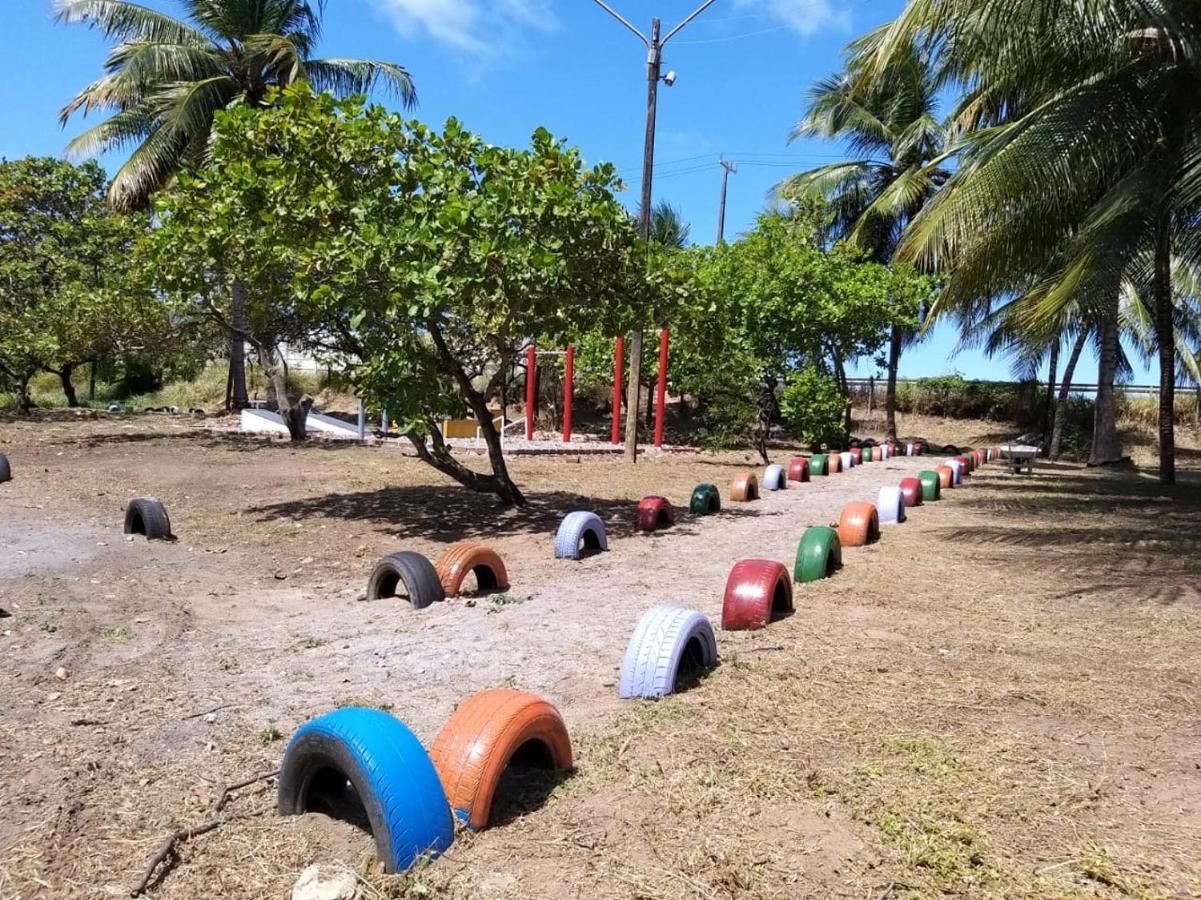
(654, 58)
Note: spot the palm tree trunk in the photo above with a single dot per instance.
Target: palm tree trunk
(1165, 336)
(1052, 380)
(1064, 390)
(890, 396)
(1107, 448)
(237, 346)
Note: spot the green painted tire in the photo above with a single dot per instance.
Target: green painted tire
(819, 465)
(706, 500)
(869, 454)
(818, 555)
(930, 486)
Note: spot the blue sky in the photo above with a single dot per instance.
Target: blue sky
(505, 67)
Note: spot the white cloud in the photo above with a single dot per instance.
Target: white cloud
(806, 17)
(479, 27)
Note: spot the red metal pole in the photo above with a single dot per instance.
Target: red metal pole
(531, 357)
(662, 392)
(569, 376)
(618, 371)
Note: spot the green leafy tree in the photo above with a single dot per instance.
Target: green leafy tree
(814, 406)
(427, 260)
(67, 295)
(892, 127)
(1082, 125)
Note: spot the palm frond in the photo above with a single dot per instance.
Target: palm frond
(360, 76)
(127, 21)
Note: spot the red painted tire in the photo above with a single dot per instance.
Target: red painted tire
(757, 591)
(857, 455)
(798, 469)
(946, 477)
(470, 556)
(968, 465)
(654, 513)
(911, 490)
(835, 463)
(483, 736)
(859, 525)
(745, 487)
(918, 448)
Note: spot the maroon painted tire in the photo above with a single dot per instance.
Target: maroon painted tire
(911, 490)
(798, 469)
(654, 513)
(857, 455)
(757, 591)
(966, 464)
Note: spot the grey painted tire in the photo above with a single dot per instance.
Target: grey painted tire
(410, 568)
(580, 526)
(148, 516)
(6, 472)
(775, 478)
(848, 461)
(891, 504)
(665, 638)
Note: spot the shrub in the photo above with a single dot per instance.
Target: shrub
(814, 408)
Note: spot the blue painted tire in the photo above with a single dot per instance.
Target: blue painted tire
(666, 638)
(389, 770)
(891, 504)
(775, 478)
(580, 527)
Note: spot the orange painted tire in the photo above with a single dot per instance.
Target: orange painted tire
(654, 513)
(470, 556)
(744, 487)
(946, 476)
(859, 525)
(835, 463)
(483, 736)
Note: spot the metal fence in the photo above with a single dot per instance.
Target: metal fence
(866, 385)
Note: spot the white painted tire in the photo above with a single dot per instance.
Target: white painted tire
(957, 468)
(848, 461)
(891, 505)
(579, 527)
(665, 637)
(909, 449)
(885, 452)
(775, 478)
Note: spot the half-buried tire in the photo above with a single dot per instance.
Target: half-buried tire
(946, 477)
(798, 469)
(859, 525)
(580, 531)
(911, 490)
(744, 487)
(834, 463)
(148, 516)
(891, 505)
(408, 570)
(6, 472)
(818, 555)
(819, 464)
(706, 500)
(483, 736)
(775, 479)
(757, 591)
(654, 513)
(355, 756)
(670, 646)
(465, 557)
(931, 486)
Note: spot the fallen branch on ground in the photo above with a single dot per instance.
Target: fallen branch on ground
(166, 854)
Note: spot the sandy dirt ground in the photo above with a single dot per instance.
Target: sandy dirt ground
(999, 699)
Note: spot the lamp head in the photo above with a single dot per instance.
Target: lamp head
(670, 78)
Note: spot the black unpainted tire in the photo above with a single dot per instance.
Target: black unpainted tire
(148, 516)
(417, 573)
(6, 473)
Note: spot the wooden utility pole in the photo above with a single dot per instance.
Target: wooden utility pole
(727, 167)
(654, 60)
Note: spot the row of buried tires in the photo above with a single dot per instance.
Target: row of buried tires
(357, 758)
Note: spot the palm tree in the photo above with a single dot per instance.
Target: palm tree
(891, 126)
(166, 78)
(1081, 168)
(668, 228)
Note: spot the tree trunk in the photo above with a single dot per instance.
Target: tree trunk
(295, 415)
(840, 375)
(1107, 448)
(1052, 380)
(24, 401)
(1064, 390)
(500, 482)
(64, 375)
(1165, 336)
(895, 346)
(237, 347)
(92, 380)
